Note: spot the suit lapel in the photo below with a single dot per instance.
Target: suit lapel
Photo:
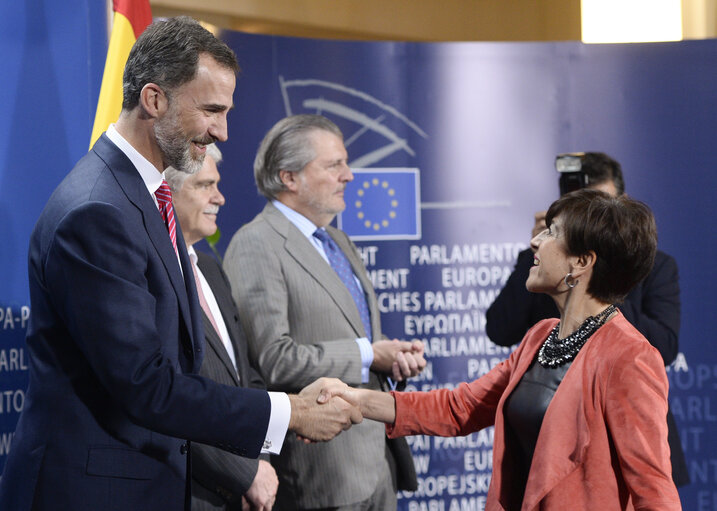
(137, 193)
(306, 256)
(222, 294)
(216, 344)
(192, 318)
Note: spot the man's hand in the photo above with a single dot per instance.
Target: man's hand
(539, 224)
(410, 363)
(331, 387)
(321, 422)
(374, 405)
(401, 359)
(261, 494)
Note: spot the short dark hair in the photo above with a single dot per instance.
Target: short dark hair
(620, 230)
(287, 146)
(600, 168)
(167, 53)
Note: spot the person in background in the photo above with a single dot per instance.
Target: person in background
(115, 338)
(579, 407)
(653, 305)
(309, 310)
(219, 479)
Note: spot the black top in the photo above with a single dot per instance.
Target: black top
(524, 412)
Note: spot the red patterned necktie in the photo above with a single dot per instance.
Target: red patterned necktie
(164, 200)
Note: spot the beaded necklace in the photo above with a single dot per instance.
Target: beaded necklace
(555, 352)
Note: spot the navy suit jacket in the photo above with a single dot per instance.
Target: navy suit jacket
(115, 337)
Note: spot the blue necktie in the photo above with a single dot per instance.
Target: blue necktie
(341, 265)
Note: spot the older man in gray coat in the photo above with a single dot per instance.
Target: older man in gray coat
(220, 480)
(309, 310)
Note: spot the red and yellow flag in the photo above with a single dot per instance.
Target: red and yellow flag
(131, 17)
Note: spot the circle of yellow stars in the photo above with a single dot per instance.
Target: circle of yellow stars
(380, 185)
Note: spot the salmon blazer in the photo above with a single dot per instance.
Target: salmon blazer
(603, 440)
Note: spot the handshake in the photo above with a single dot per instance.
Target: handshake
(316, 417)
(328, 406)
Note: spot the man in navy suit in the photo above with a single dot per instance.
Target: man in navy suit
(219, 479)
(116, 337)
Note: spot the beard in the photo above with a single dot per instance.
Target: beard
(176, 147)
(320, 203)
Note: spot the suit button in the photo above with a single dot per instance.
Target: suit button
(183, 448)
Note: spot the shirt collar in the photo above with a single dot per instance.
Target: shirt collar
(192, 254)
(302, 223)
(151, 176)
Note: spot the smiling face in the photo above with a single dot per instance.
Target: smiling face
(196, 116)
(550, 261)
(197, 203)
(317, 190)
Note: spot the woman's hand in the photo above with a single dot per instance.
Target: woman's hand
(375, 405)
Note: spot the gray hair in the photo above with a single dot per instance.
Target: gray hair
(287, 147)
(175, 178)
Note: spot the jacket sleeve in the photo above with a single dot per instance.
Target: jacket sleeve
(654, 307)
(468, 408)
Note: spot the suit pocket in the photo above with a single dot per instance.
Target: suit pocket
(121, 463)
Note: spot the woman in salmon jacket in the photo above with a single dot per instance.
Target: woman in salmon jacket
(579, 408)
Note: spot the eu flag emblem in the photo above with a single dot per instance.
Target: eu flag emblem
(382, 204)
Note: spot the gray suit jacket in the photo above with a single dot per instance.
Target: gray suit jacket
(301, 324)
(219, 478)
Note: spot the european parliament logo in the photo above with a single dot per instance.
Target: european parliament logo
(382, 204)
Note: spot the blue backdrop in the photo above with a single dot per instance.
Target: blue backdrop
(482, 123)
(53, 55)
(474, 126)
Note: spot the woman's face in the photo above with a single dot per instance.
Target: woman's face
(550, 263)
